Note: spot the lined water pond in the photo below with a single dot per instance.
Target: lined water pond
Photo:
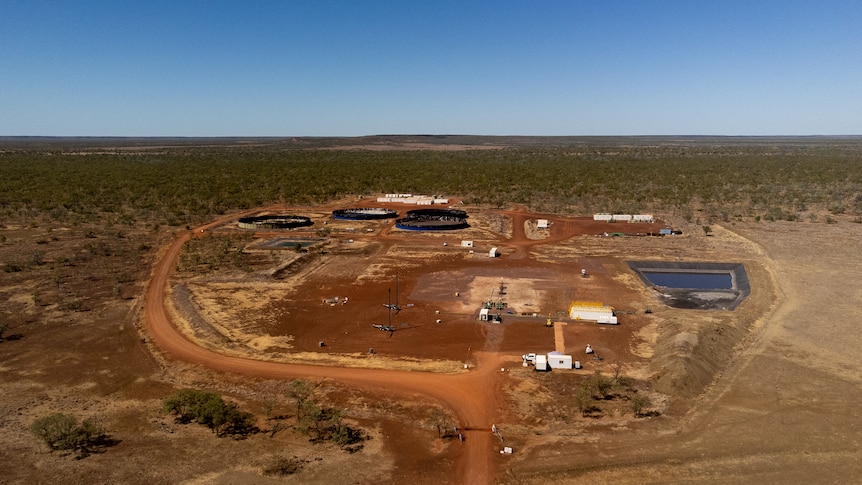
(705, 281)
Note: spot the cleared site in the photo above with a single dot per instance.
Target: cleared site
(636, 311)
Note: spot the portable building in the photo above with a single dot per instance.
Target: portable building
(607, 319)
(466, 244)
(558, 360)
(493, 253)
(642, 218)
(621, 217)
(542, 224)
(483, 314)
(542, 363)
(602, 217)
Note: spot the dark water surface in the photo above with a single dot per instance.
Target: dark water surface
(702, 281)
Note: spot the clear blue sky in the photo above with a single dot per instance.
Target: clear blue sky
(317, 68)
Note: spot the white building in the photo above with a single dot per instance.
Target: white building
(542, 363)
(591, 310)
(558, 360)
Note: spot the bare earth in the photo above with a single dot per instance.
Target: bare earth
(766, 393)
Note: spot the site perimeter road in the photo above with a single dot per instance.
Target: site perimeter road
(473, 396)
(470, 395)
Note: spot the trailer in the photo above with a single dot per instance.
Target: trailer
(558, 360)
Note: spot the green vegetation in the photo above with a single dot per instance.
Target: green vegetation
(597, 395)
(211, 410)
(321, 422)
(318, 421)
(639, 402)
(63, 432)
(211, 253)
(723, 180)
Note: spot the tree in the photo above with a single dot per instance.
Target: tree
(584, 398)
(62, 432)
(300, 391)
(601, 384)
(3, 328)
(640, 402)
(211, 410)
(440, 420)
(707, 230)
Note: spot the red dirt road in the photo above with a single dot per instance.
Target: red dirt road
(473, 396)
(470, 395)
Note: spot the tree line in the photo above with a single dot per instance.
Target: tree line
(187, 186)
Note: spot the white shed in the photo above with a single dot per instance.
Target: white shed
(483, 315)
(493, 253)
(542, 362)
(542, 224)
(466, 244)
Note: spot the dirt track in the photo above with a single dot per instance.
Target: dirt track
(473, 396)
(782, 411)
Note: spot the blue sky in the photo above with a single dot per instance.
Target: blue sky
(317, 68)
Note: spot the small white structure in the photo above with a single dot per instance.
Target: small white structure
(608, 320)
(621, 217)
(602, 217)
(542, 363)
(493, 253)
(577, 364)
(642, 218)
(483, 315)
(589, 349)
(542, 224)
(558, 360)
(466, 244)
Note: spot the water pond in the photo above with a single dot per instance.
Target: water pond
(703, 281)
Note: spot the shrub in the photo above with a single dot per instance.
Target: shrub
(640, 402)
(283, 466)
(62, 432)
(211, 410)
